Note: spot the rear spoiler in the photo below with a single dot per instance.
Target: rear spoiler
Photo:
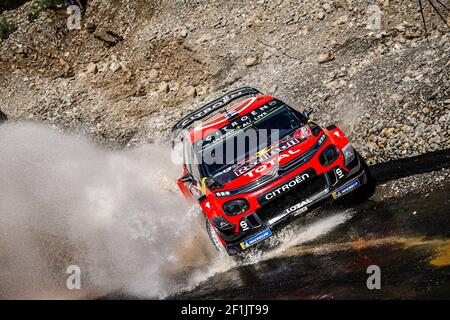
(210, 108)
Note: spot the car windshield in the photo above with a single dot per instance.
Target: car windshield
(233, 144)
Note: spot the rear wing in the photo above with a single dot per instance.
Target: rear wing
(210, 108)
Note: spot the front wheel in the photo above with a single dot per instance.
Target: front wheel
(363, 193)
(215, 238)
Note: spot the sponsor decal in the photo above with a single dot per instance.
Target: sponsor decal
(303, 133)
(231, 114)
(216, 105)
(271, 163)
(223, 224)
(244, 225)
(195, 190)
(299, 207)
(300, 211)
(238, 124)
(286, 187)
(264, 155)
(346, 189)
(256, 238)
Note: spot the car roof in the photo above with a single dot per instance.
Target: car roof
(220, 120)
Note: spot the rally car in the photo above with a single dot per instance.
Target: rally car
(251, 163)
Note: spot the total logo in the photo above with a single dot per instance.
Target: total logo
(266, 166)
(299, 207)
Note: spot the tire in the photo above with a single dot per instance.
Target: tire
(363, 193)
(215, 238)
(3, 117)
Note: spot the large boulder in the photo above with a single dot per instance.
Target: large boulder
(3, 117)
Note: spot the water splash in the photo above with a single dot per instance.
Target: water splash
(117, 215)
(296, 235)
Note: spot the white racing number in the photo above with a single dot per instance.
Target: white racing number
(339, 173)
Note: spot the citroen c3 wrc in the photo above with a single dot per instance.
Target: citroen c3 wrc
(252, 164)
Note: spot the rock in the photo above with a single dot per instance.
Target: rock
(164, 87)
(380, 50)
(342, 20)
(91, 27)
(192, 92)
(205, 90)
(153, 74)
(252, 61)
(320, 15)
(92, 68)
(325, 57)
(183, 33)
(3, 117)
(398, 98)
(333, 85)
(115, 66)
(447, 101)
(21, 50)
(412, 34)
(124, 67)
(273, 89)
(327, 7)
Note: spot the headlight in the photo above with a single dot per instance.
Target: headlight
(235, 207)
(349, 154)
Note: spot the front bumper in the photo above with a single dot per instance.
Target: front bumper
(262, 228)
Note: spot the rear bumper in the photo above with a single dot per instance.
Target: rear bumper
(355, 178)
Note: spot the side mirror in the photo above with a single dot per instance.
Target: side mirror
(187, 178)
(307, 112)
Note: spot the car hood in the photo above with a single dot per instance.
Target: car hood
(266, 161)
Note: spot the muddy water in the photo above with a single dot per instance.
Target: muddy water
(408, 238)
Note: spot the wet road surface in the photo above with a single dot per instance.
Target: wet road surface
(407, 237)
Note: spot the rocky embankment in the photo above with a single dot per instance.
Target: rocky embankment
(136, 67)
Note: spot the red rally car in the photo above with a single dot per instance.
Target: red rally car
(254, 163)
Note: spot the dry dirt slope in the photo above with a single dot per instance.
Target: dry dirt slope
(137, 66)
